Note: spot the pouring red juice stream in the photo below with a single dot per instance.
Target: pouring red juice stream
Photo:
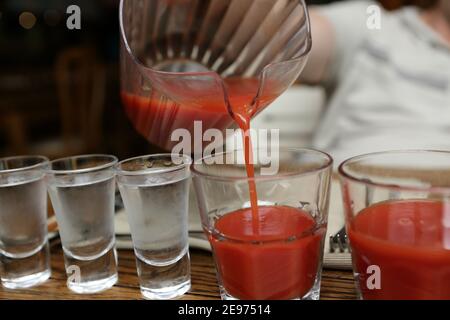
(243, 276)
(275, 269)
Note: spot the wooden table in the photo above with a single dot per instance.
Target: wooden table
(335, 284)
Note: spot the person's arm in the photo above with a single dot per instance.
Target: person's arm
(322, 51)
(337, 29)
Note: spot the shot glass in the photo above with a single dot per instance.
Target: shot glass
(82, 192)
(24, 250)
(271, 250)
(397, 207)
(155, 192)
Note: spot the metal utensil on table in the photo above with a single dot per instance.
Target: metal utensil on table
(339, 241)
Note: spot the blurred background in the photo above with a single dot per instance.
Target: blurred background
(59, 88)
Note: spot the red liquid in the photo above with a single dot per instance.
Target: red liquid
(275, 269)
(155, 117)
(408, 240)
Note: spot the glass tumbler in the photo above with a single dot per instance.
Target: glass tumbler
(82, 191)
(273, 250)
(24, 250)
(397, 207)
(155, 192)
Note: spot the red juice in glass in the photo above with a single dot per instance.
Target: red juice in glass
(409, 241)
(280, 261)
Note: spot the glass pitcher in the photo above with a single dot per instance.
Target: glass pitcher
(207, 60)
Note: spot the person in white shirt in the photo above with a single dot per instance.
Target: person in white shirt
(389, 87)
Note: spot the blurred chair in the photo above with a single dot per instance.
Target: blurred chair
(28, 106)
(12, 126)
(81, 83)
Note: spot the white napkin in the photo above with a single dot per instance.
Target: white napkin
(198, 240)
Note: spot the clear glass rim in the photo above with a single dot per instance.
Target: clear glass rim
(42, 162)
(187, 161)
(344, 174)
(112, 161)
(327, 165)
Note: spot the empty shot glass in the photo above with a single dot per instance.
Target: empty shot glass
(155, 192)
(24, 251)
(82, 191)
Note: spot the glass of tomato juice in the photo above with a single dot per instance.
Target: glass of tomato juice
(397, 207)
(266, 220)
